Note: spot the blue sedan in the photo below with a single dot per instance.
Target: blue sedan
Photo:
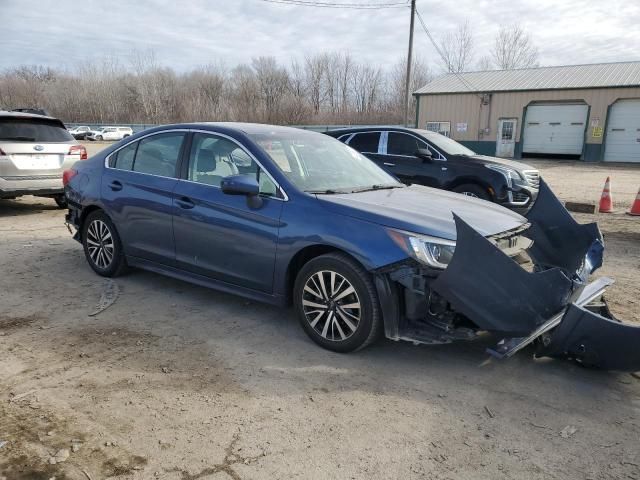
(284, 215)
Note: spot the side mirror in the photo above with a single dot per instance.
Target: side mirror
(240, 185)
(424, 154)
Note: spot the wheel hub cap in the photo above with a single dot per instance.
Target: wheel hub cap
(331, 305)
(100, 244)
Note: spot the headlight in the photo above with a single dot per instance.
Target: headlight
(509, 173)
(432, 251)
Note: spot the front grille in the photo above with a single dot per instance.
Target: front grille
(512, 242)
(532, 177)
(32, 177)
(520, 197)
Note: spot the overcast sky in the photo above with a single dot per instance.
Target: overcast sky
(187, 33)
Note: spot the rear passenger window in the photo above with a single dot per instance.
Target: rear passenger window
(158, 154)
(365, 142)
(403, 144)
(123, 159)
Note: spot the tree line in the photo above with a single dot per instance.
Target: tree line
(327, 88)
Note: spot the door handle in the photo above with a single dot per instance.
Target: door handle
(389, 164)
(185, 203)
(116, 186)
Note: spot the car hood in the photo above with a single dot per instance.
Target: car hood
(519, 166)
(424, 210)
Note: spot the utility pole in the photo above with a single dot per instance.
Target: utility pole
(409, 58)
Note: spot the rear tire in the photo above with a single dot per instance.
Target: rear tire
(61, 201)
(473, 190)
(337, 303)
(102, 245)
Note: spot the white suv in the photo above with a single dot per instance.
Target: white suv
(34, 151)
(110, 133)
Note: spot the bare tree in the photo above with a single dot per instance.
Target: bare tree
(315, 67)
(420, 76)
(514, 48)
(457, 49)
(485, 63)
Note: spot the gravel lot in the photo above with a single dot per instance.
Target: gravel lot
(174, 381)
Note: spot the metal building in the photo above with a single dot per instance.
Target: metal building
(587, 111)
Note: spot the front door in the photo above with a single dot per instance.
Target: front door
(506, 142)
(218, 235)
(400, 158)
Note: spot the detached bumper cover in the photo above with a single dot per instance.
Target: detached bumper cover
(499, 296)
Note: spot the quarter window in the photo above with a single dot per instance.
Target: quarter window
(158, 154)
(124, 157)
(212, 158)
(366, 142)
(403, 144)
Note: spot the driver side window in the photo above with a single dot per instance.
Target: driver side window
(403, 144)
(212, 158)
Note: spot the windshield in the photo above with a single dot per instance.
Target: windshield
(318, 163)
(33, 130)
(446, 144)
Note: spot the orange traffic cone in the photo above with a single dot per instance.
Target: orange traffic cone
(635, 208)
(606, 203)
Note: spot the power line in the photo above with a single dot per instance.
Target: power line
(464, 81)
(351, 5)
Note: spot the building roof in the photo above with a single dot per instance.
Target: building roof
(598, 75)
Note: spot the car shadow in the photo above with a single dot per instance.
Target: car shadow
(266, 347)
(28, 206)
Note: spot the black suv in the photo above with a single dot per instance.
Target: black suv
(431, 159)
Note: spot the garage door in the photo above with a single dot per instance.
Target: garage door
(623, 132)
(555, 129)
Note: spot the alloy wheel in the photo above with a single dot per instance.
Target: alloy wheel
(469, 194)
(100, 244)
(331, 305)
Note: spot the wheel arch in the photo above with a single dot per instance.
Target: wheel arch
(486, 186)
(86, 211)
(303, 256)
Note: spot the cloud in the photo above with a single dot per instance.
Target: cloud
(63, 33)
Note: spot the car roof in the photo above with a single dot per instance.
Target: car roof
(253, 128)
(4, 113)
(377, 128)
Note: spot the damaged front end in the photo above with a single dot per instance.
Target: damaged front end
(487, 285)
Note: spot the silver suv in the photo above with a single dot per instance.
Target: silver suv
(34, 151)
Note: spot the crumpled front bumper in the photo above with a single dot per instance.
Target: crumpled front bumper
(552, 305)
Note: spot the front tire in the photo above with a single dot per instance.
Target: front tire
(99, 138)
(102, 245)
(473, 190)
(337, 303)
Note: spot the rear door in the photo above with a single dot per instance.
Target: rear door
(37, 148)
(137, 189)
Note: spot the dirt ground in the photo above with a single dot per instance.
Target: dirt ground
(174, 381)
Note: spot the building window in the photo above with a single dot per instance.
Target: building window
(443, 128)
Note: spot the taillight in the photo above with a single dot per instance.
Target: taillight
(67, 175)
(78, 150)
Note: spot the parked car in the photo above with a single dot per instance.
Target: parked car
(431, 159)
(110, 133)
(284, 215)
(35, 111)
(80, 133)
(34, 152)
